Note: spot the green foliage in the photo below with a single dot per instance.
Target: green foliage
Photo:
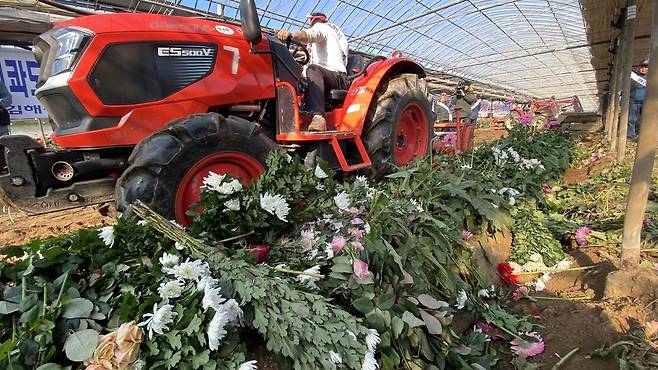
(532, 237)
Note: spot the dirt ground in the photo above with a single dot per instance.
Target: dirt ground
(18, 228)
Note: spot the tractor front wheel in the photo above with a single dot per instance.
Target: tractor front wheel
(167, 168)
(399, 128)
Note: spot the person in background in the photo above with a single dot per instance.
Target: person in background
(637, 99)
(463, 100)
(5, 102)
(475, 110)
(442, 110)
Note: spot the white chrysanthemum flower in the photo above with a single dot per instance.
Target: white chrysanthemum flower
(226, 189)
(249, 365)
(335, 358)
(483, 293)
(310, 280)
(168, 261)
(564, 264)
(216, 329)
(372, 340)
(142, 223)
(275, 205)
(539, 285)
(342, 201)
(362, 179)
(511, 201)
(206, 281)
(514, 154)
(369, 362)
(191, 270)
(320, 187)
(170, 289)
(173, 222)
(236, 184)
(212, 298)
(288, 158)
(417, 205)
(366, 228)
(179, 246)
(213, 181)
(107, 235)
(233, 204)
(157, 321)
(351, 334)
(461, 299)
(233, 310)
(319, 173)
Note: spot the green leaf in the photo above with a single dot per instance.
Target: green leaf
(5, 348)
(363, 305)
(8, 307)
(412, 320)
(386, 301)
(49, 366)
(398, 325)
(433, 324)
(429, 301)
(81, 345)
(200, 359)
(78, 308)
(173, 360)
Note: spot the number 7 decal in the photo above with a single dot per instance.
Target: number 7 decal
(236, 58)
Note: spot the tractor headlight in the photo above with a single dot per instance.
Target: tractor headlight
(71, 41)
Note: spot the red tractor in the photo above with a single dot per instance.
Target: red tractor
(144, 106)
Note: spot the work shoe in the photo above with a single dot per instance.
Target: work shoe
(318, 123)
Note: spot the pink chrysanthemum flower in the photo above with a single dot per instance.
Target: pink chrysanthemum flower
(489, 330)
(466, 235)
(548, 189)
(530, 344)
(531, 139)
(450, 139)
(581, 235)
(520, 292)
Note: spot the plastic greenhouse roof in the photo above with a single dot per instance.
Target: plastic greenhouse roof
(533, 47)
(523, 48)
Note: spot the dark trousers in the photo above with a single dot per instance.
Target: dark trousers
(634, 118)
(4, 130)
(320, 81)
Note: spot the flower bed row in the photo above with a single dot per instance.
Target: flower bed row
(328, 273)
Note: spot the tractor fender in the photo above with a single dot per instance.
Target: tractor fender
(363, 91)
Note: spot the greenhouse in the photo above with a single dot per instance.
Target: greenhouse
(274, 185)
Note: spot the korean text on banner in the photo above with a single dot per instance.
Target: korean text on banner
(20, 72)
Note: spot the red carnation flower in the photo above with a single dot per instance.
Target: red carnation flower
(506, 273)
(260, 251)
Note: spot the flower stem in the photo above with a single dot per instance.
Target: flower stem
(555, 270)
(581, 298)
(565, 358)
(61, 290)
(649, 250)
(298, 272)
(235, 237)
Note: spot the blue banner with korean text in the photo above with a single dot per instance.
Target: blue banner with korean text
(20, 72)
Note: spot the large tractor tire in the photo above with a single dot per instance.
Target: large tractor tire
(167, 168)
(399, 127)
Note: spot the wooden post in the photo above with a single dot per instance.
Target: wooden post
(638, 193)
(613, 88)
(614, 127)
(629, 36)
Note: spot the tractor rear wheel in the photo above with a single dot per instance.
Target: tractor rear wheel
(167, 168)
(399, 128)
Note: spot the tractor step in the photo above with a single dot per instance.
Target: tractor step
(18, 186)
(365, 159)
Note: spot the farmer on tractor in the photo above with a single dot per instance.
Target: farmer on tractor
(328, 49)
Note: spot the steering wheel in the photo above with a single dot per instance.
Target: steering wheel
(299, 52)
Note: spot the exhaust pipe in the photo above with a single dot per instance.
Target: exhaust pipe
(65, 171)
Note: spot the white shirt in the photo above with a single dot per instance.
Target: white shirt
(328, 46)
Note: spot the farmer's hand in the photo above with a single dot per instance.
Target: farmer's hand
(283, 35)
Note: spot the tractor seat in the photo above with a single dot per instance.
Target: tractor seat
(355, 65)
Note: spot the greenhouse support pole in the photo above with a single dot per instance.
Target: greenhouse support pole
(629, 36)
(614, 127)
(613, 101)
(638, 193)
